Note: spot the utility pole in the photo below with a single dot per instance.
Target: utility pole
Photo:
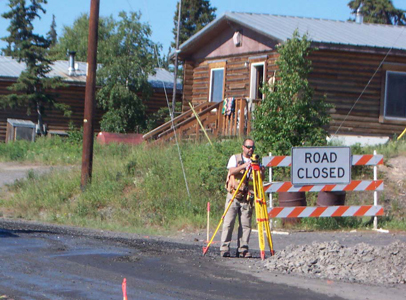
(88, 121)
(176, 61)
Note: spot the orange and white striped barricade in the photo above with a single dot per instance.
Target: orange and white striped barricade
(326, 211)
(356, 160)
(329, 211)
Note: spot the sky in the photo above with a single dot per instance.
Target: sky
(159, 13)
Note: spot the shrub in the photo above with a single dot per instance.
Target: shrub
(289, 116)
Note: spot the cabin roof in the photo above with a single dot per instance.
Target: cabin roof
(281, 28)
(11, 68)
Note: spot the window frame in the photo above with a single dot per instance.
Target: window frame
(253, 76)
(387, 69)
(211, 83)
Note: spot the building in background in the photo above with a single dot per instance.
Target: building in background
(235, 54)
(73, 74)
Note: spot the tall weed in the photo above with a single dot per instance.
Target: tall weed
(140, 188)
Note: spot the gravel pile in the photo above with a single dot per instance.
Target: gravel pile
(361, 263)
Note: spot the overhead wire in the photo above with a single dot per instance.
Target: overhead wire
(169, 108)
(376, 71)
(338, 129)
(171, 112)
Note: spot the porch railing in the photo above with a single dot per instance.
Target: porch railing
(236, 123)
(239, 122)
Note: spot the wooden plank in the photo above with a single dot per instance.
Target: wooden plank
(188, 122)
(243, 105)
(237, 86)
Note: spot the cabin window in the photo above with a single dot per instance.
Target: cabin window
(395, 95)
(257, 80)
(216, 84)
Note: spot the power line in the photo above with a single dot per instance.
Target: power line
(376, 71)
(130, 5)
(170, 111)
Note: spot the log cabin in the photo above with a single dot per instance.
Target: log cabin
(360, 68)
(73, 74)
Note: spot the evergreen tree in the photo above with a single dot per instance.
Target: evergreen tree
(195, 14)
(379, 11)
(32, 87)
(51, 35)
(289, 116)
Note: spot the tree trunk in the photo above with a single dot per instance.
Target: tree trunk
(40, 122)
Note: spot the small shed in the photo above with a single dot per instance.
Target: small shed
(20, 130)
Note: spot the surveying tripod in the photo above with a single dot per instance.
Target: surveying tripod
(254, 171)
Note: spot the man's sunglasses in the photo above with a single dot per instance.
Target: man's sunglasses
(249, 147)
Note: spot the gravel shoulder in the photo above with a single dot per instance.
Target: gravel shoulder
(367, 271)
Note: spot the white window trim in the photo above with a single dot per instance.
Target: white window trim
(253, 73)
(386, 93)
(211, 82)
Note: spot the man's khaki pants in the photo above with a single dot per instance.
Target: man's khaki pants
(244, 212)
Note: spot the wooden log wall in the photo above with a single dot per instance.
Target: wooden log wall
(158, 100)
(271, 67)
(196, 83)
(200, 84)
(188, 78)
(237, 77)
(73, 96)
(341, 77)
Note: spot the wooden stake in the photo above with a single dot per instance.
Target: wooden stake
(208, 221)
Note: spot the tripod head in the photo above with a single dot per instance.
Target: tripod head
(255, 164)
(255, 159)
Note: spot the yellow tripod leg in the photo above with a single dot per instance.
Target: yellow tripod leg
(205, 249)
(263, 209)
(266, 218)
(258, 213)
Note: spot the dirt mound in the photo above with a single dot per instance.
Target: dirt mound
(395, 169)
(394, 172)
(361, 263)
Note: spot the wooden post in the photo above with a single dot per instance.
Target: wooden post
(219, 122)
(249, 116)
(175, 73)
(243, 105)
(88, 120)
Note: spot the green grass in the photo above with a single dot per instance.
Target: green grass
(139, 189)
(142, 188)
(49, 151)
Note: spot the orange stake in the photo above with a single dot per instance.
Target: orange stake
(124, 287)
(208, 221)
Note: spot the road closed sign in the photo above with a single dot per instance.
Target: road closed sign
(320, 165)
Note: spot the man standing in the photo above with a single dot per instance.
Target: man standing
(242, 204)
